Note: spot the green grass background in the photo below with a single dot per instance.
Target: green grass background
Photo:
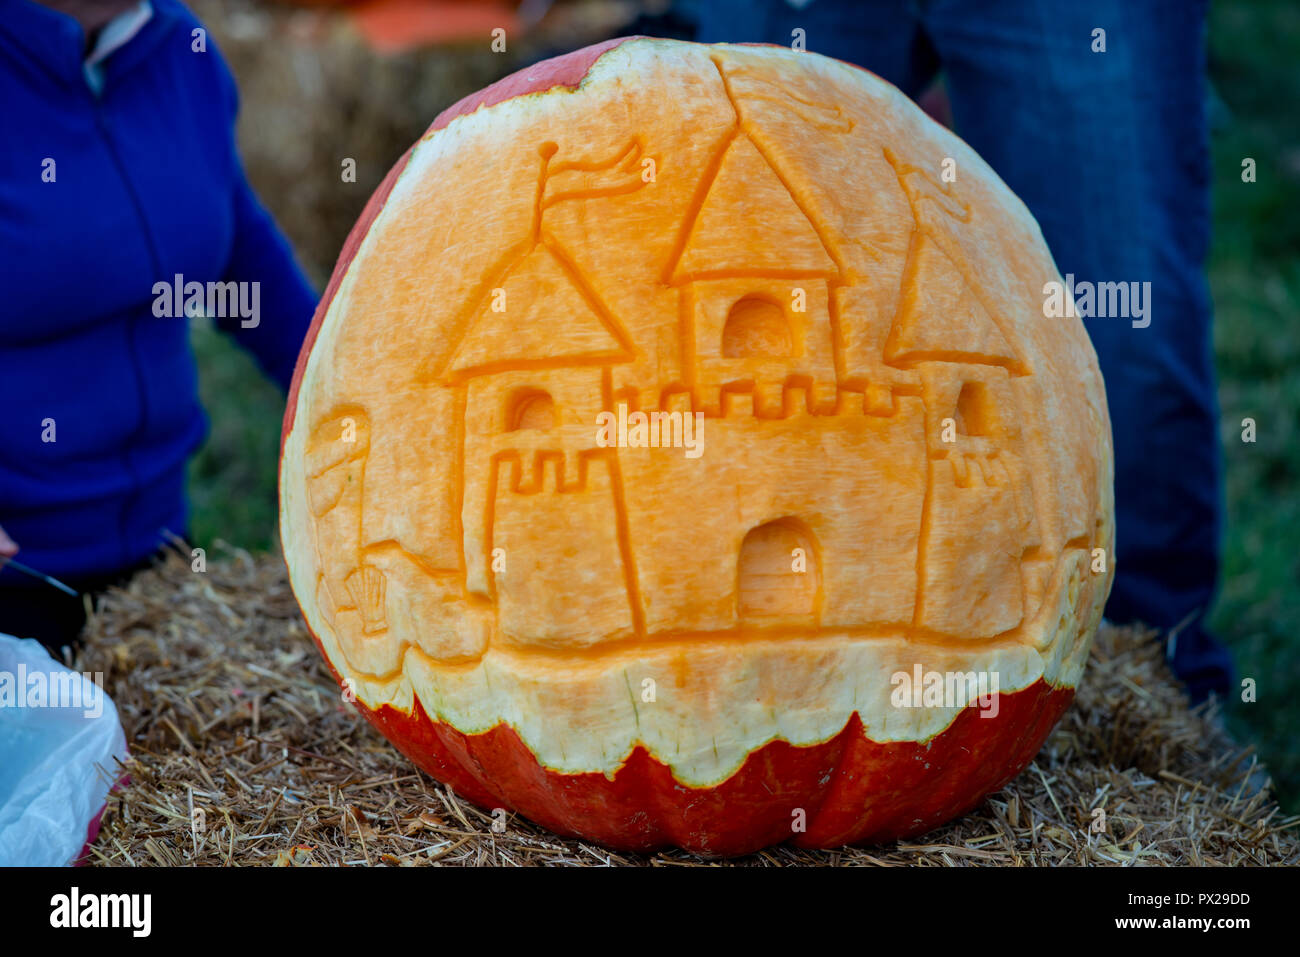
(1255, 280)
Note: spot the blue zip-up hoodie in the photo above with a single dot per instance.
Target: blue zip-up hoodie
(101, 198)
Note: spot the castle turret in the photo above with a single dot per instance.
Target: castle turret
(755, 275)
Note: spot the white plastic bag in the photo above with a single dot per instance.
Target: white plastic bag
(60, 741)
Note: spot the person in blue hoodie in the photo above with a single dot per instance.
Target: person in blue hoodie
(124, 210)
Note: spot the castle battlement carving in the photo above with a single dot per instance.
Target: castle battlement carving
(795, 396)
(553, 470)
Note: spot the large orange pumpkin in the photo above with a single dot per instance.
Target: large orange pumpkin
(681, 455)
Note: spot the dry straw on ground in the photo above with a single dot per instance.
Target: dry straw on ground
(234, 721)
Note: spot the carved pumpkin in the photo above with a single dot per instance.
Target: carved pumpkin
(681, 455)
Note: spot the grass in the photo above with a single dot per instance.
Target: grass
(1255, 280)
(232, 480)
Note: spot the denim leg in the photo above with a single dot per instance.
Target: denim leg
(1110, 152)
(883, 36)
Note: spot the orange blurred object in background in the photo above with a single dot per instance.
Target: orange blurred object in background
(395, 26)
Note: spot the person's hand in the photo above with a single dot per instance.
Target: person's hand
(8, 547)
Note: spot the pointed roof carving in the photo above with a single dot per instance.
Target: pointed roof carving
(550, 317)
(940, 317)
(748, 223)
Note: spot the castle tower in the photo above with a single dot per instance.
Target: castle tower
(755, 274)
(978, 527)
(530, 371)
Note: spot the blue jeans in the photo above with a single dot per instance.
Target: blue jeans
(1110, 152)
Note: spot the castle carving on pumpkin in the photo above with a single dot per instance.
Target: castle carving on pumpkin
(758, 345)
